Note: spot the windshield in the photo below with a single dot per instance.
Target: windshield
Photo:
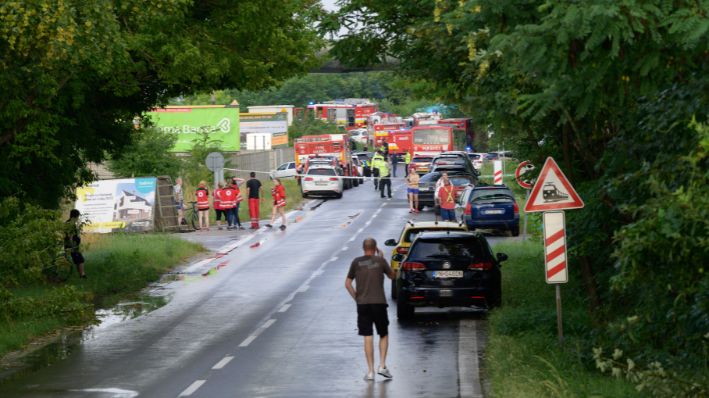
(431, 137)
(447, 248)
(459, 181)
(491, 194)
(322, 172)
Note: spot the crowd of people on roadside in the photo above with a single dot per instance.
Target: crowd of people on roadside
(226, 200)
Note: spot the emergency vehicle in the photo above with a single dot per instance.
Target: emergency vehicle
(325, 146)
(344, 114)
(400, 142)
(380, 124)
(431, 139)
(463, 134)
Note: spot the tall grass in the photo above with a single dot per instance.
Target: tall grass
(117, 265)
(524, 358)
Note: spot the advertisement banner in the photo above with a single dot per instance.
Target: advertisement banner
(272, 123)
(187, 122)
(118, 205)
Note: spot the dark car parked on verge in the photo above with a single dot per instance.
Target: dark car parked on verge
(449, 269)
(490, 207)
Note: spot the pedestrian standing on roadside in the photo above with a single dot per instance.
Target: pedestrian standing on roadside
(228, 204)
(407, 162)
(279, 203)
(368, 272)
(72, 241)
(412, 184)
(384, 179)
(394, 163)
(255, 193)
(235, 182)
(179, 200)
(377, 159)
(218, 209)
(446, 198)
(202, 194)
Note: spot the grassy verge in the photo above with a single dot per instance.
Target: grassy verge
(117, 265)
(523, 356)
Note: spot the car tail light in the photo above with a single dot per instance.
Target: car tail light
(411, 266)
(515, 207)
(483, 265)
(469, 209)
(417, 298)
(308, 178)
(478, 297)
(333, 178)
(402, 250)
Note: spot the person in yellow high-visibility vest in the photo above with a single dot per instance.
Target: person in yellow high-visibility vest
(407, 162)
(376, 160)
(384, 179)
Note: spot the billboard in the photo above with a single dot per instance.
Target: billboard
(272, 123)
(222, 123)
(125, 204)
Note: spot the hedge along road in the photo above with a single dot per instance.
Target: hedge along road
(274, 320)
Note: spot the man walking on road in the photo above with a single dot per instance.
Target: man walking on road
(368, 274)
(377, 160)
(255, 192)
(384, 179)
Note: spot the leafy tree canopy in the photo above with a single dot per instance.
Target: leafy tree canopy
(75, 73)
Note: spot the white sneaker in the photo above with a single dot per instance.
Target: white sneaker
(369, 377)
(385, 372)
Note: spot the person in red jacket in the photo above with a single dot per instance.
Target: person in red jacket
(202, 194)
(279, 203)
(235, 182)
(218, 205)
(229, 204)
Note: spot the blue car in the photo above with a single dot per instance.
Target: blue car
(490, 207)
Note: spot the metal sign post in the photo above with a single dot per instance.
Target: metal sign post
(526, 217)
(553, 193)
(521, 169)
(215, 163)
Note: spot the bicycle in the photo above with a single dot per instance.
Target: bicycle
(60, 267)
(192, 216)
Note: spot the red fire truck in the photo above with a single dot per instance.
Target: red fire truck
(400, 142)
(326, 146)
(463, 133)
(343, 114)
(431, 139)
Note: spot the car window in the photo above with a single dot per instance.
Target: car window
(322, 172)
(283, 166)
(448, 248)
(291, 165)
(490, 194)
(413, 233)
(422, 159)
(459, 181)
(430, 177)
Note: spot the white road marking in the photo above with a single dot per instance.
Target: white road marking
(468, 366)
(257, 332)
(221, 364)
(352, 238)
(284, 308)
(344, 248)
(248, 340)
(304, 289)
(192, 388)
(114, 392)
(333, 259)
(367, 223)
(359, 231)
(268, 323)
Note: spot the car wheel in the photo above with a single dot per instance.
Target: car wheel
(515, 230)
(361, 180)
(404, 311)
(338, 195)
(305, 196)
(355, 183)
(393, 289)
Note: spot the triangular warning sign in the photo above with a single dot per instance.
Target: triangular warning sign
(552, 191)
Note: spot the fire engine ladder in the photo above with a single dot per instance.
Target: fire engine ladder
(166, 220)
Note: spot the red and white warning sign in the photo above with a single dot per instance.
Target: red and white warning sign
(521, 169)
(552, 191)
(555, 258)
(497, 174)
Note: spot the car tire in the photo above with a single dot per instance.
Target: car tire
(394, 291)
(404, 310)
(515, 230)
(361, 180)
(338, 195)
(355, 182)
(306, 196)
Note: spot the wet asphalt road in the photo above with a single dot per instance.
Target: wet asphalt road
(273, 320)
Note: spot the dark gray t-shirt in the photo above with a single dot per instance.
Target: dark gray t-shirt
(368, 273)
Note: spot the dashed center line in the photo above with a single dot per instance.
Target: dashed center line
(256, 333)
(192, 388)
(284, 308)
(221, 364)
(304, 289)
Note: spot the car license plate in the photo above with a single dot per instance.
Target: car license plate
(320, 182)
(445, 293)
(494, 211)
(447, 274)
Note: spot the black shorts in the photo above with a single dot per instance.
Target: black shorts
(77, 258)
(220, 213)
(368, 314)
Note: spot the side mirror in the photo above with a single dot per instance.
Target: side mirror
(390, 242)
(502, 257)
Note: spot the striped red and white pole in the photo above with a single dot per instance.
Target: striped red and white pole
(497, 174)
(555, 258)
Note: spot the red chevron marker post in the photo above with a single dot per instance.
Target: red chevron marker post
(553, 193)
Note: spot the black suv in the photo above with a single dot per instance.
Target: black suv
(449, 269)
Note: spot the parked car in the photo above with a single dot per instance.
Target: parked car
(356, 163)
(322, 180)
(359, 136)
(446, 269)
(477, 158)
(427, 185)
(422, 164)
(489, 207)
(286, 170)
(410, 231)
